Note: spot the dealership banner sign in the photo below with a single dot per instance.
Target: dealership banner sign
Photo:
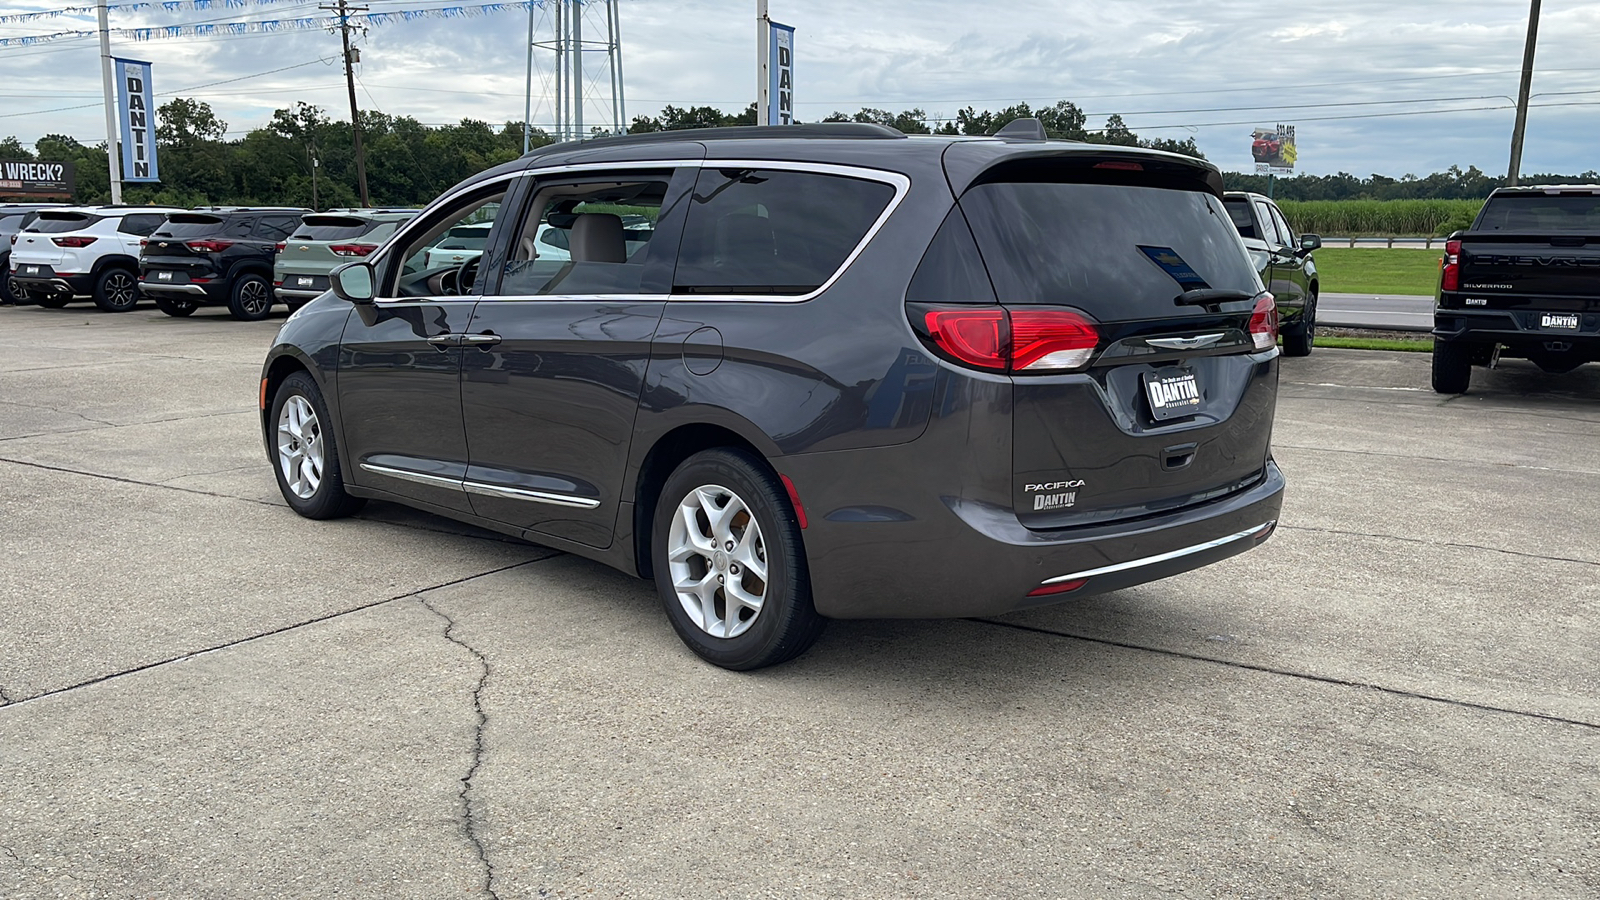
(780, 71)
(36, 179)
(136, 120)
(1273, 150)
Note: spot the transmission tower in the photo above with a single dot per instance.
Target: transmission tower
(568, 32)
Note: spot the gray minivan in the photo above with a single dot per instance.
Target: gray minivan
(830, 372)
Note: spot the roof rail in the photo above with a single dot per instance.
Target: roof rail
(818, 130)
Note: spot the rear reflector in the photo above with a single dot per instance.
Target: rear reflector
(1034, 339)
(794, 497)
(1264, 322)
(1060, 587)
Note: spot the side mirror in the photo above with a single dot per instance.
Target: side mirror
(1310, 242)
(354, 282)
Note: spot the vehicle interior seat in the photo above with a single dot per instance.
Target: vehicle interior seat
(598, 237)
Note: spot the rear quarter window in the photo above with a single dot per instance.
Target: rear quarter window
(1114, 251)
(773, 231)
(141, 224)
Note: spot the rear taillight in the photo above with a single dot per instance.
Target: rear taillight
(1034, 340)
(13, 239)
(73, 241)
(1264, 322)
(282, 246)
(1450, 271)
(352, 249)
(208, 246)
(144, 242)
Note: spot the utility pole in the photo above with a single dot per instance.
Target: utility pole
(1514, 171)
(351, 57)
(763, 64)
(113, 163)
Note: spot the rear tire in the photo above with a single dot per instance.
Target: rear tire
(305, 454)
(1300, 341)
(1452, 366)
(725, 535)
(251, 298)
(176, 307)
(116, 290)
(52, 300)
(11, 292)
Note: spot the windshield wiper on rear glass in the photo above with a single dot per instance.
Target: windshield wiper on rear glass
(1211, 297)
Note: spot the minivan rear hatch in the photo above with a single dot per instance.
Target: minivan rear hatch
(1174, 407)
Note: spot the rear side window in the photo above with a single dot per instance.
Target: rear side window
(56, 223)
(952, 269)
(1115, 251)
(190, 226)
(768, 231)
(275, 228)
(1542, 214)
(332, 228)
(141, 224)
(10, 223)
(1239, 212)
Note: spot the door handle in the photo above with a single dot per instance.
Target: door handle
(443, 342)
(481, 341)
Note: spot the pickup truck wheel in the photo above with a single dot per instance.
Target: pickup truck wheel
(251, 299)
(176, 307)
(729, 563)
(116, 290)
(1299, 341)
(1452, 366)
(306, 457)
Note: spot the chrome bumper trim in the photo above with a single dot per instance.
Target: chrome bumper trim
(1164, 557)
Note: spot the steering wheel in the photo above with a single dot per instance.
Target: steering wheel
(466, 274)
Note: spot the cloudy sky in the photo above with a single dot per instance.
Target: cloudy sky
(1386, 86)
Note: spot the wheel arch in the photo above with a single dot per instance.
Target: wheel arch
(279, 367)
(662, 459)
(115, 261)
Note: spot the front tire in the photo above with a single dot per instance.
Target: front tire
(1452, 366)
(729, 563)
(116, 290)
(305, 452)
(176, 307)
(251, 298)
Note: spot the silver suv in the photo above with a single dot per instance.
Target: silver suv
(326, 240)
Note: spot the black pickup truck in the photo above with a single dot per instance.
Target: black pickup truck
(1524, 281)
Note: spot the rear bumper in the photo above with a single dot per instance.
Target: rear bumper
(1516, 328)
(977, 559)
(288, 294)
(213, 292)
(74, 284)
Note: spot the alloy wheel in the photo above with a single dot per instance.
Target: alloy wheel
(300, 446)
(253, 297)
(120, 290)
(717, 561)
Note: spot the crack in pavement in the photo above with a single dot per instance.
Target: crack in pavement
(469, 823)
(1290, 673)
(1454, 462)
(1455, 544)
(63, 412)
(104, 424)
(326, 617)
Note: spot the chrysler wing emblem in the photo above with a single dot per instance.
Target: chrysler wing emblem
(1185, 343)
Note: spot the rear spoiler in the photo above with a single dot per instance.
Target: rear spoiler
(971, 163)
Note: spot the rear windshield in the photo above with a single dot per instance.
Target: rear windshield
(1542, 214)
(469, 237)
(184, 226)
(1114, 251)
(332, 228)
(55, 223)
(1239, 212)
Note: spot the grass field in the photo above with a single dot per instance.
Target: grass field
(1410, 345)
(1384, 217)
(1373, 271)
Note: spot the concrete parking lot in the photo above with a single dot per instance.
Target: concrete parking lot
(207, 696)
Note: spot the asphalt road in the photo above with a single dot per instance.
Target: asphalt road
(1394, 312)
(206, 696)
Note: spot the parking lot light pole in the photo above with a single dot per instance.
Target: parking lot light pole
(112, 162)
(1514, 170)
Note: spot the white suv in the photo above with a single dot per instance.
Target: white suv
(84, 251)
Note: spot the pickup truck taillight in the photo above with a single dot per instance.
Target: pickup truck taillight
(353, 249)
(1450, 267)
(73, 241)
(208, 246)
